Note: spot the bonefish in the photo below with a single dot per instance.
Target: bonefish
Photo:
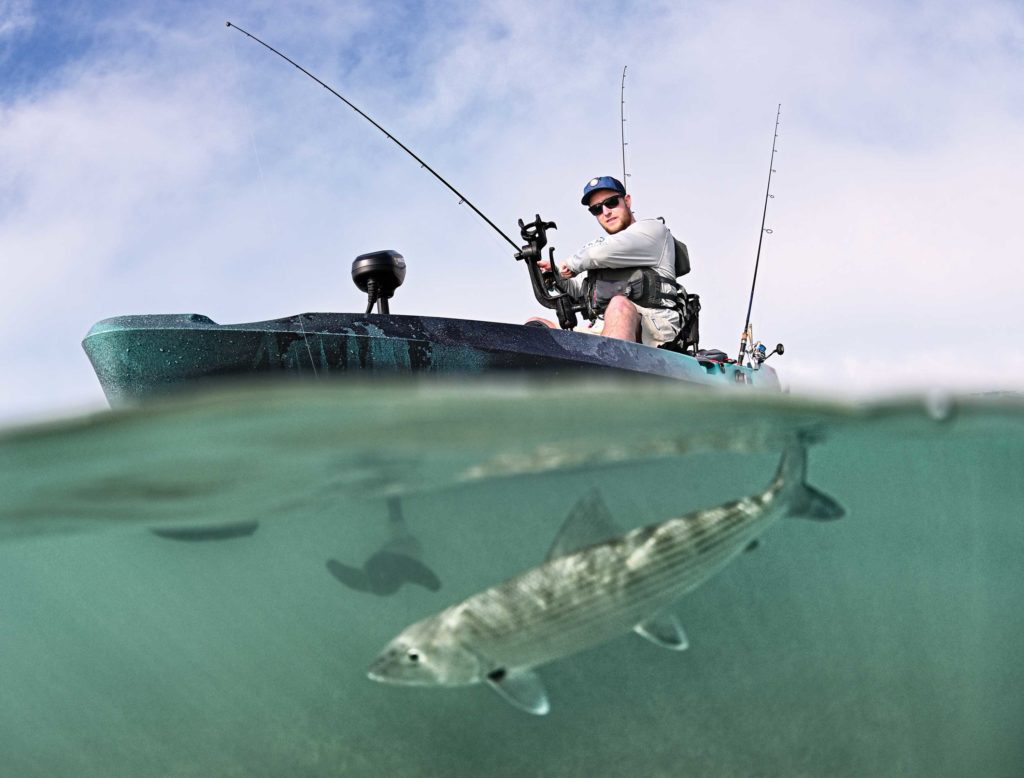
(586, 593)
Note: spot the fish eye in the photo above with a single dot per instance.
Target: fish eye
(413, 655)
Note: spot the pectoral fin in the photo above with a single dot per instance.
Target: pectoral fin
(665, 631)
(522, 688)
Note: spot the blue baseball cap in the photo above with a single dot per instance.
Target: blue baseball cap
(602, 182)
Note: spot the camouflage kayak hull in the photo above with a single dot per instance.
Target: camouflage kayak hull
(136, 357)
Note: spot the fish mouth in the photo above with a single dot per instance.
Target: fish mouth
(384, 672)
(376, 671)
(379, 677)
(381, 672)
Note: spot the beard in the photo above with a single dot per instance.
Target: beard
(620, 225)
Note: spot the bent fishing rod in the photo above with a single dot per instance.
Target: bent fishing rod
(746, 326)
(406, 149)
(622, 125)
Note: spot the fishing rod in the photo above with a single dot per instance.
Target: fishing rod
(406, 149)
(622, 124)
(747, 335)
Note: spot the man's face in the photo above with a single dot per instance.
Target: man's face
(612, 219)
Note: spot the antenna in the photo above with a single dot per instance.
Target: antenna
(747, 336)
(622, 124)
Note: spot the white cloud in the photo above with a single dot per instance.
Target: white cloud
(860, 375)
(181, 167)
(15, 17)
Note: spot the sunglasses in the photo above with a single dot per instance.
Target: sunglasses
(610, 203)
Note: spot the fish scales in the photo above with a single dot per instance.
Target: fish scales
(713, 551)
(584, 598)
(577, 600)
(673, 539)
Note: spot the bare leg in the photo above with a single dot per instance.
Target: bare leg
(586, 328)
(621, 319)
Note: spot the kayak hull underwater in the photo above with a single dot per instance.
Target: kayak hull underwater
(136, 357)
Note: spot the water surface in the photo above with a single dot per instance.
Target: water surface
(886, 643)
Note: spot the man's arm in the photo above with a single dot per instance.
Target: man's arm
(642, 244)
(564, 278)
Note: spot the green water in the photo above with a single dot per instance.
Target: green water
(887, 643)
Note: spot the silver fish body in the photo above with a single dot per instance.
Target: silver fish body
(578, 600)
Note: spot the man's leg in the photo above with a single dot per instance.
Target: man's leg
(659, 325)
(621, 319)
(586, 327)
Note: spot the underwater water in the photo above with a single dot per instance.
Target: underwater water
(304, 527)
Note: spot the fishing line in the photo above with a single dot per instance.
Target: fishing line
(746, 326)
(305, 340)
(406, 149)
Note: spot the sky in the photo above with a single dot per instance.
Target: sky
(153, 160)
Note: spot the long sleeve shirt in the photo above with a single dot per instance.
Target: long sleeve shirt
(644, 243)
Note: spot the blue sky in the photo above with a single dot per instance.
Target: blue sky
(152, 160)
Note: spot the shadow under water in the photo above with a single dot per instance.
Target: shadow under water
(885, 643)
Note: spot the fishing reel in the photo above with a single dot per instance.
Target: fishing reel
(759, 354)
(545, 282)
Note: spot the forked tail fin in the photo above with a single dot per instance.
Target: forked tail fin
(809, 503)
(804, 501)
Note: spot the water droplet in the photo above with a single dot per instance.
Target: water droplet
(940, 406)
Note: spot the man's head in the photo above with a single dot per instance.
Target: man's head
(606, 198)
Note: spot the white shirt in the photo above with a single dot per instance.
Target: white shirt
(644, 243)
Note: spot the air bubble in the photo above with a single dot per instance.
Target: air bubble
(940, 406)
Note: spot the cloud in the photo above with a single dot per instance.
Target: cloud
(173, 165)
(856, 375)
(15, 17)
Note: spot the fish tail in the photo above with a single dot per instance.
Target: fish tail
(810, 503)
(804, 501)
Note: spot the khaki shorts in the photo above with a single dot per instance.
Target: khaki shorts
(659, 325)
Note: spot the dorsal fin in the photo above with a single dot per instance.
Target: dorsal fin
(588, 523)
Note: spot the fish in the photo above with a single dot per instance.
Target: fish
(384, 573)
(391, 566)
(589, 591)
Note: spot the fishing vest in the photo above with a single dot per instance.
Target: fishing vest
(642, 285)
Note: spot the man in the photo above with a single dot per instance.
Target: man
(630, 272)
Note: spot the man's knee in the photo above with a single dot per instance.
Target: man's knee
(620, 305)
(621, 319)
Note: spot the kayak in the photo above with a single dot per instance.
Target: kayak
(137, 357)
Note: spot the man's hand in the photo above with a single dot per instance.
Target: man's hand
(563, 268)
